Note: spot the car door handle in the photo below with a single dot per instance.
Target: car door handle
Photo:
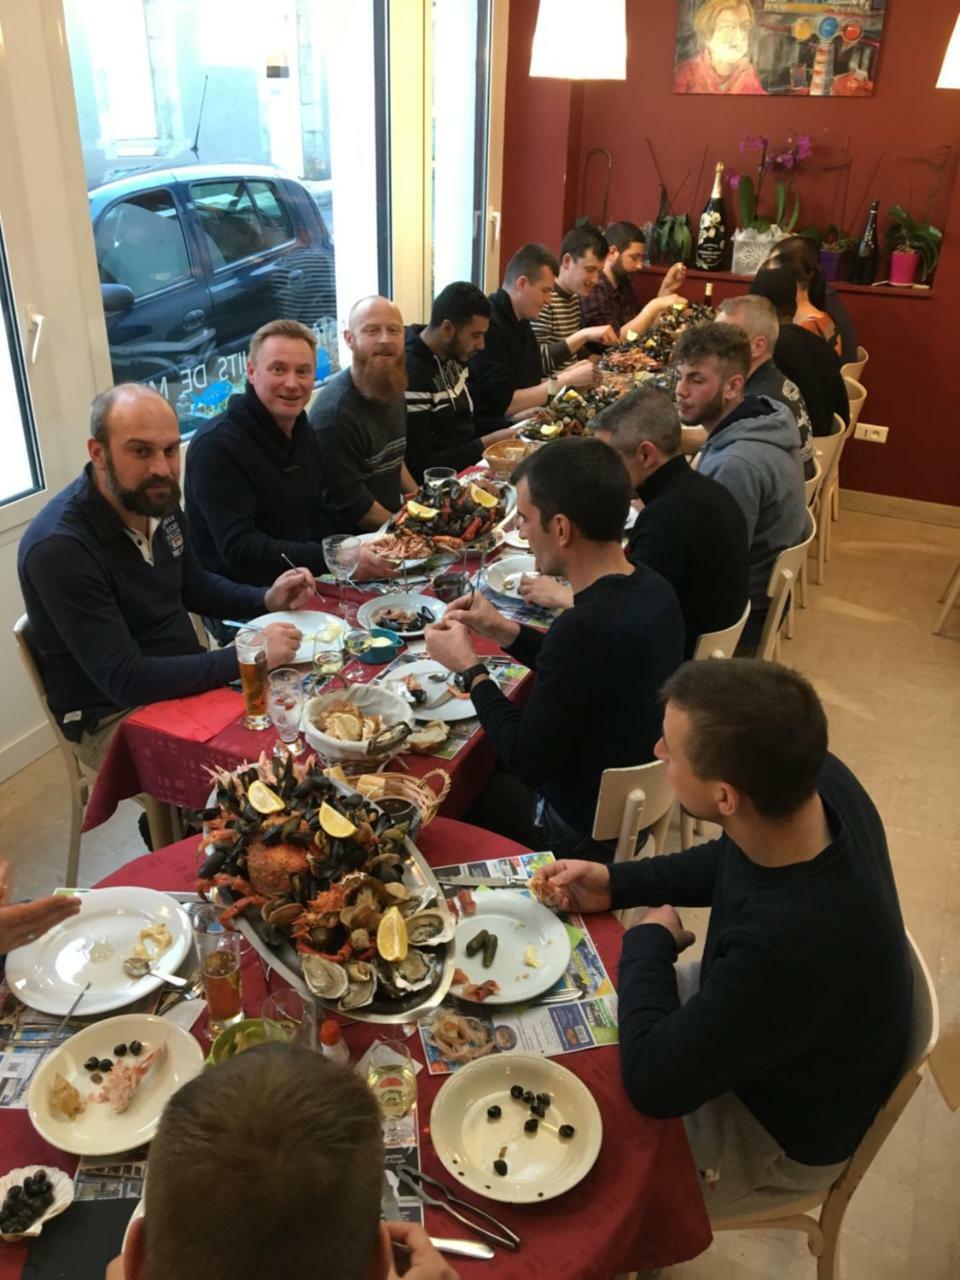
(194, 319)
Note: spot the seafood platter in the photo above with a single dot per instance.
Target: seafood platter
(569, 414)
(328, 888)
(459, 517)
(653, 351)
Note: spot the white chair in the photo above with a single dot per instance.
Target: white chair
(856, 396)
(855, 368)
(827, 449)
(632, 798)
(811, 491)
(721, 644)
(79, 778)
(783, 579)
(949, 597)
(823, 1232)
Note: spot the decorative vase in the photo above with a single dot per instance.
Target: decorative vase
(903, 266)
(752, 248)
(834, 263)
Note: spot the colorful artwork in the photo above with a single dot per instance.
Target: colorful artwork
(810, 48)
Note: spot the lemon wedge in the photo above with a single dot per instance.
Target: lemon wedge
(482, 497)
(632, 335)
(551, 429)
(421, 512)
(392, 935)
(263, 799)
(334, 823)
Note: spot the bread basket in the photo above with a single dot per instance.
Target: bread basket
(370, 700)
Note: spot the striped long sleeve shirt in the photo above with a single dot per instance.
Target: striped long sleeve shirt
(561, 317)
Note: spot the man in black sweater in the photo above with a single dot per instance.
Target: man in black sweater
(594, 703)
(440, 428)
(690, 530)
(253, 476)
(109, 578)
(796, 1035)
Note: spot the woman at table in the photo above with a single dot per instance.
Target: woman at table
(24, 922)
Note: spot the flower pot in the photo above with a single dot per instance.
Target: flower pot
(835, 264)
(903, 266)
(752, 248)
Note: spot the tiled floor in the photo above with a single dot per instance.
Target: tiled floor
(892, 692)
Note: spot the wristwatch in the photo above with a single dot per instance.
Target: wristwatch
(464, 679)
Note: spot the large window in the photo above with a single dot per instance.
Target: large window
(20, 474)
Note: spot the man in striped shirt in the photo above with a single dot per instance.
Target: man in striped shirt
(612, 300)
(559, 326)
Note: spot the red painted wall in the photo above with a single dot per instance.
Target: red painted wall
(913, 372)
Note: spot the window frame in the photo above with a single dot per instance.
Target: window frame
(21, 382)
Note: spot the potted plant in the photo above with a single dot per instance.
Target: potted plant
(835, 246)
(913, 246)
(670, 239)
(757, 234)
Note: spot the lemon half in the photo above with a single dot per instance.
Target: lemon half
(263, 799)
(334, 823)
(392, 935)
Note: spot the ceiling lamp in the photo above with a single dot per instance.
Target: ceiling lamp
(562, 51)
(950, 71)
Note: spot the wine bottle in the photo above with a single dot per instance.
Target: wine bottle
(712, 237)
(868, 252)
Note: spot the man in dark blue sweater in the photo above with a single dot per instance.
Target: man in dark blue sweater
(108, 577)
(594, 701)
(796, 1035)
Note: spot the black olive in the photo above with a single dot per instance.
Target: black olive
(135, 1047)
(538, 1111)
(105, 1064)
(15, 1193)
(529, 1097)
(494, 1112)
(543, 1099)
(119, 1050)
(31, 1189)
(516, 1091)
(567, 1131)
(531, 1125)
(500, 1166)
(91, 1064)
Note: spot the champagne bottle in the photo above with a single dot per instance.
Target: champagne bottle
(712, 237)
(868, 252)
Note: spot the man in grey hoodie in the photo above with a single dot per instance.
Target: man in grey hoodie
(752, 448)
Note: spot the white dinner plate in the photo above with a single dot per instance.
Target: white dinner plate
(91, 946)
(99, 1130)
(409, 600)
(504, 575)
(519, 922)
(540, 1165)
(453, 709)
(310, 623)
(513, 538)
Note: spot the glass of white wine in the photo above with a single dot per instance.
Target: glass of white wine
(328, 658)
(356, 642)
(393, 1080)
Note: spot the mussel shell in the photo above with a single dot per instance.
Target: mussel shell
(326, 979)
(430, 928)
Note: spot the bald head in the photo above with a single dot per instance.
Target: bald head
(128, 400)
(135, 450)
(374, 334)
(374, 308)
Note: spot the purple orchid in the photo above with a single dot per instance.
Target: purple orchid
(733, 180)
(753, 142)
(804, 146)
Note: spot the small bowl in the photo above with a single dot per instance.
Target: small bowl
(402, 810)
(504, 456)
(62, 1185)
(380, 653)
(252, 1030)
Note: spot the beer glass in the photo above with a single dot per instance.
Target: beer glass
(219, 952)
(251, 646)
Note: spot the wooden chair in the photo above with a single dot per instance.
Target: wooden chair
(823, 1232)
(79, 777)
(783, 579)
(856, 395)
(855, 368)
(632, 798)
(721, 644)
(828, 451)
(949, 597)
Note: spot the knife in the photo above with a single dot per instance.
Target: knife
(485, 882)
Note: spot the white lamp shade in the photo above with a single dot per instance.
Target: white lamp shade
(565, 49)
(950, 71)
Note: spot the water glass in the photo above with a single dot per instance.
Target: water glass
(285, 703)
(294, 1014)
(451, 585)
(251, 646)
(342, 553)
(392, 1078)
(436, 479)
(219, 952)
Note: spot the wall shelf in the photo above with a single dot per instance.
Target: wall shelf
(911, 294)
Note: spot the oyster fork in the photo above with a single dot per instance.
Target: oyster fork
(414, 1178)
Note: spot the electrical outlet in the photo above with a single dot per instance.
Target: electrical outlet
(867, 431)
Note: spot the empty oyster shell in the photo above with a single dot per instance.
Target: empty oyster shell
(430, 927)
(327, 980)
(362, 980)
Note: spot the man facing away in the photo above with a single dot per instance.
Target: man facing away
(507, 376)
(109, 578)
(360, 420)
(441, 431)
(612, 300)
(285, 1151)
(559, 326)
(691, 530)
(594, 703)
(254, 476)
(795, 1034)
(752, 448)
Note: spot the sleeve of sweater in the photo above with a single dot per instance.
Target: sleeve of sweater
(425, 444)
(341, 456)
(684, 879)
(658, 543)
(78, 596)
(553, 349)
(208, 593)
(743, 481)
(220, 486)
(756, 1010)
(492, 378)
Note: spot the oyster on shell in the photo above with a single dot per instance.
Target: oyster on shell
(431, 927)
(327, 980)
(362, 983)
(415, 971)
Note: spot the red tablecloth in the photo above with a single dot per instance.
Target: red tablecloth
(639, 1207)
(161, 750)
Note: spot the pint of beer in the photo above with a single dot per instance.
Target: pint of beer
(252, 661)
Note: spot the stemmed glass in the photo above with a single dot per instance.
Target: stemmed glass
(285, 705)
(342, 553)
(355, 643)
(392, 1078)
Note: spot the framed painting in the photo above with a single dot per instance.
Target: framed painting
(807, 48)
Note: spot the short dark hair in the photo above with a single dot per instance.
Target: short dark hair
(620, 235)
(779, 284)
(285, 1147)
(581, 239)
(584, 480)
(727, 342)
(459, 302)
(530, 261)
(757, 725)
(801, 256)
(642, 414)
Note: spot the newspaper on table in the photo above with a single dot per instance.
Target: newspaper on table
(116, 1177)
(517, 610)
(583, 1017)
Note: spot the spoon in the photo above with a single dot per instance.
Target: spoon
(135, 967)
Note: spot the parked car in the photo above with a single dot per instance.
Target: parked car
(193, 260)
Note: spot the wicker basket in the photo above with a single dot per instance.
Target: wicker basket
(420, 791)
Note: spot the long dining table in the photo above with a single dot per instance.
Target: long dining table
(639, 1206)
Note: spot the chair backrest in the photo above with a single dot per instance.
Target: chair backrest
(21, 633)
(631, 798)
(855, 368)
(857, 395)
(827, 451)
(783, 578)
(811, 487)
(721, 644)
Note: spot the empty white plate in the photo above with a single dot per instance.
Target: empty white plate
(310, 623)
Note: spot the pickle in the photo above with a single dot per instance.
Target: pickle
(476, 943)
(489, 950)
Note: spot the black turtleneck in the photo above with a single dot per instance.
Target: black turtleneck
(253, 492)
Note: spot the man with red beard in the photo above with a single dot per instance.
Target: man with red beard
(360, 419)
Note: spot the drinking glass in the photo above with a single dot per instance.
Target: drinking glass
(436, 479)
(219, 952)
(342, 553)
(328, 660)
(451, 585)
(392, 1078)
(294, 1014)
(355, 643)
(251, 646)
(285, 703)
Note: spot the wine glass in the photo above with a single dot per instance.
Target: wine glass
(392, 1078)
(285, 706)
(328, 658)
(342, 553)
(356, 642)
